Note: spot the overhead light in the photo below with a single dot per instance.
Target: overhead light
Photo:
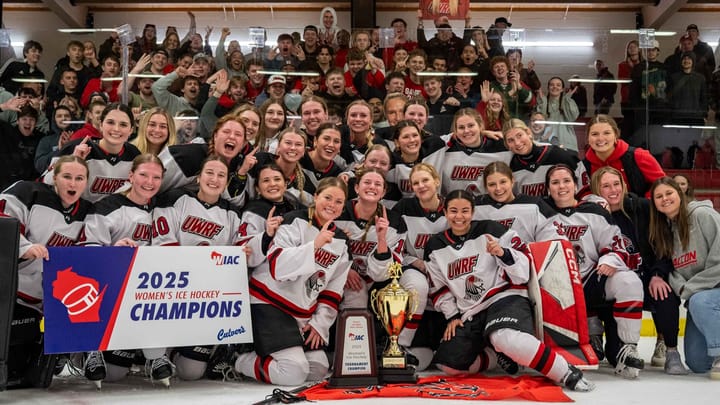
(281, 73)
(600, 81)
(110, 79)
(564, 44)
(145, 75)
(636, 32)
(29, 80)
(434, 73)
(690, 126)
(85, 30)
(578, 124)
(73, 122)
(515, 29)
(192, 117)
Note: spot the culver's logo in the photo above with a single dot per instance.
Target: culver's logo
(356, 338)
(221, 260)
(225, 334)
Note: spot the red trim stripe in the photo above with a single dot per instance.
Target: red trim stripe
(442, 291)
(266, 369)
(263, 293)
(272, 260)
(258, 369)
(111, 323)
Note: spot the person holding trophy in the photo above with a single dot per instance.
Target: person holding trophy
(478, 283)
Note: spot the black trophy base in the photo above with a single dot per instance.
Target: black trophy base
(352, 382)
(397, 375)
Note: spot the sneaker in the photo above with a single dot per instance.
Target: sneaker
(94, 367)
(715, 369)
(576, 381)
(658, 357)
(221, 365)
(673, 363)
(507, 364)
(629, 362)
(596, 342)
(160, 369)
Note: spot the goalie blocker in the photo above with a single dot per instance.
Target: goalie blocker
(556, 289)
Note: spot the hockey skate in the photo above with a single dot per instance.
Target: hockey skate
(221, 365)
(507, 364)
(160, 370)
(95, 369)
(576, 381)
(629, 362)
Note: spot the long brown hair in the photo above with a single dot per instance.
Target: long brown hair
(661, 233)
(360, 173)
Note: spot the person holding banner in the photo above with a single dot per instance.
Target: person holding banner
(297, 291)
(126, 219)
(478, 283)
(183, 218)
(49, 216)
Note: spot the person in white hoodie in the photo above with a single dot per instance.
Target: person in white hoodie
(689, 232)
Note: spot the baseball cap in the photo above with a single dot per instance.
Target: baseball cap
(502, 20)
(162, 51)
(276, 79)
(200, 55)
(656, 44)
(692, 27)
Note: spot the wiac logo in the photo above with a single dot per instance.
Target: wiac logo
(222, 260)
(80, 295)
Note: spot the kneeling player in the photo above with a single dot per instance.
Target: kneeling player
(479, 285)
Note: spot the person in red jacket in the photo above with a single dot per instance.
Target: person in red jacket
(92, 122)
(638, 167)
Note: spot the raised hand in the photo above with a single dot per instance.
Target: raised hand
(485, 91)
(248, 163)
(381, 225)
(82, 150)
(324, 237)
(272, 223)
(493, 247)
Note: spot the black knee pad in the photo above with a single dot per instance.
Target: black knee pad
(199, 353)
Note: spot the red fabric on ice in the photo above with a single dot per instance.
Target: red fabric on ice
(443, 387)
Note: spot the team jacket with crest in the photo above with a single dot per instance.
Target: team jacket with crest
(421, 226)
(298, 196)
(432, 152)
(107, 172)
(593, 234)
(252, 228)
(116, 217)
(363, 246)
(181, 219)
(465, 278)
(44, 221)
(302, 281)
(530, 170)
(527, 216)
(183, 163)
(463, 166)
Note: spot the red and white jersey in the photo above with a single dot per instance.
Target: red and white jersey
(43, 221)
(529, 171)
(181, 219)
(302, 281)
(463, 166)
(465, 278)
(116, 217)
(107, 172)
(526, 215)
(593, 234)
(252, 227)
(421, 225)
(432, 152)
(363, 242)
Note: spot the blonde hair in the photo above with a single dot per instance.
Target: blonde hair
(595, 184)
(141, 139)
(369, 136)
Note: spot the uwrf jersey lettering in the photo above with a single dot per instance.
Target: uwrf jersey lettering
(43, 220)
(421, 226)
(182, 219)
(302, 281)
(363, 242)
(465, 278)
(593, 234)
(107, 172)
(116, 217)
(529, 171)
(463, 167)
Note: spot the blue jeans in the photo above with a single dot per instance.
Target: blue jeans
(702, 331)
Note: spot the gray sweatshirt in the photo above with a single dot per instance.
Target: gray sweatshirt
(697, 268)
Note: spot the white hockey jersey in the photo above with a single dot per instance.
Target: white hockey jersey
(252, 227)
(527, 216)
(116, 217)
(302, 281)
(432, 152)
(44, 221)
(463, 167)
(421, 226)
(529, 171)
(465, 278)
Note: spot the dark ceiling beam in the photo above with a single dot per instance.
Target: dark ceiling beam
(72, 16)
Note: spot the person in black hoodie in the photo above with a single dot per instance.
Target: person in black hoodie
(17, 147)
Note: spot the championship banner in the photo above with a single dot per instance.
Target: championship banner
(453, 9)
(107, 298)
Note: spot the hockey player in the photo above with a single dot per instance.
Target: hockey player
(478, 283)
(410, 149)
(632, 214)
(177, 217)
(297, 291)
(320, 161)
(183, 162)
(526, 215)
(125, 219)
(530, 162)
(109, 159)
(468, 153)
(602, 258)
(48, 216)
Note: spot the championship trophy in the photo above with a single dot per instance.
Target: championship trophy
(394, 306)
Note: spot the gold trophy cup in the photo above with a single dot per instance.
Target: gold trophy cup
(394, 306)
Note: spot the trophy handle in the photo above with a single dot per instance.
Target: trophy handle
(413, 303)
(374, 305)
